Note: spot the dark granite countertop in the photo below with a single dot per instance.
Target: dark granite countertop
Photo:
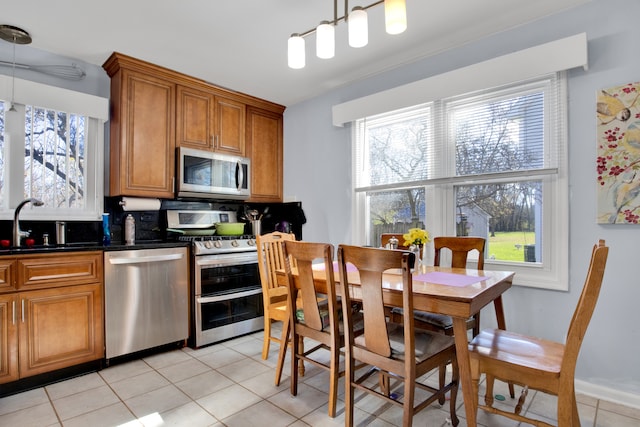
(89, 246)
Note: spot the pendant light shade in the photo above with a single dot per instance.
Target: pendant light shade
(358, 27)
(296, 55)
(395, 16)
(325, 40)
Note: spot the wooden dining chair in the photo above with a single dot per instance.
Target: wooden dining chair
(537, 363)
(395, 351)
(270, 259)
(459, 248)
(318, 317)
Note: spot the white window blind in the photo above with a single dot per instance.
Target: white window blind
(490, 164)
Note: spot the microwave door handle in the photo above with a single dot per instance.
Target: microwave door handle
(239, 175)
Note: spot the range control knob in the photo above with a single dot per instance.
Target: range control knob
(251, 242)
(217, 244)
(235, 243)
(208, 244)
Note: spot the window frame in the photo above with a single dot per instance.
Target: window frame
(96, 111)
(552, 272)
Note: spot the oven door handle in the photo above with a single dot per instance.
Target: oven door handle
(146, 259)
(204, 300)
(223, 262)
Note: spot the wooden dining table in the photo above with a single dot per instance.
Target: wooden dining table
(456, 292)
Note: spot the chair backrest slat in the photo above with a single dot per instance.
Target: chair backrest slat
(371, 264)
(460, 248)
(271, 256)
(304, 254)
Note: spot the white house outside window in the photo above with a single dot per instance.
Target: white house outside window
(487, 164)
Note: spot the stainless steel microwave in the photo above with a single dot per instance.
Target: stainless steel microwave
(206, 174)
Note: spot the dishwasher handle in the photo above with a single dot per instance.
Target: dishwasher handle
(145, 259)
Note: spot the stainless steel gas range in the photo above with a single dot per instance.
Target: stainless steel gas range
(225, 283)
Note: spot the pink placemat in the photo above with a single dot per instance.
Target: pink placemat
(449, 279)
(350, 267)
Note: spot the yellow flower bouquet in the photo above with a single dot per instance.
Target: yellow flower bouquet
(416, 236)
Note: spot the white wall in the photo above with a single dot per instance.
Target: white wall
(317, 171)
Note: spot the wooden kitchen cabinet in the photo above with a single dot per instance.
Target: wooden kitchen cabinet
(8, 338)
(142, 131)
(155, 109)
(7, 274)
(60, 327)
(210, 122)
(55, 319)
(264, 134)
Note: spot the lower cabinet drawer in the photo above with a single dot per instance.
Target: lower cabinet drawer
(55, 270)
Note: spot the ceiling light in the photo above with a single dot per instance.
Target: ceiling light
(296, 51)
(395, 23)
(395, 16)
(16, 36)
(358, 27)
(325, 40)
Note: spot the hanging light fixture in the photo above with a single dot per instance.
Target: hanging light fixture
(358, 27)
(395, 16)
(16, 36)
(325, 40)
(357, 20)
(296, 51)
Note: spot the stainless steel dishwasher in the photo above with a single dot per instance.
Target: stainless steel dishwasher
(146, 299)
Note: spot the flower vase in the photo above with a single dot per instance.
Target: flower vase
(417, 251)
(423, 258)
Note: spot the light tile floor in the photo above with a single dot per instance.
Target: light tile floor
(228, 384)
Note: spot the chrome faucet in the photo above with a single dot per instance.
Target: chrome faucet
(17, 233)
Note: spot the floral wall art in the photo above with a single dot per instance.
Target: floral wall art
(618, 161)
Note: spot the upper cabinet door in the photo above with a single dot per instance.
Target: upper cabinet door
(230, 126)
(142, 136)
(195, 119)
(206, 121)
(264, 133)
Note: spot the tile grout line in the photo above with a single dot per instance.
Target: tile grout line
(55, 411)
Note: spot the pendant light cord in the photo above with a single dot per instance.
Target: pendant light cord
(13, 77)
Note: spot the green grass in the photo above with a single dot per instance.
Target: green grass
(509, 246)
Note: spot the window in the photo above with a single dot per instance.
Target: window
(52, 155)
(488, 164)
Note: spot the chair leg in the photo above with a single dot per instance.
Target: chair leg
(568, 415)
(407, 407)
(476, 327)
(295, 352)
(512, 391)
(383, 381)
(349, 390)
(521, 400)
(575, 420)
(301, 363)
(442, 374)
(334, 377)
(267, 338)
(455, 379)
(283, 351)
(488, 395)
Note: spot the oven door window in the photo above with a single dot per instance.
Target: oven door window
(215, 314)
(227, 279)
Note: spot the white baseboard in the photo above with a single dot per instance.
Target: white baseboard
(608, 394)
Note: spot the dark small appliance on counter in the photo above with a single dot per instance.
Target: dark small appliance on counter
(284, 217)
